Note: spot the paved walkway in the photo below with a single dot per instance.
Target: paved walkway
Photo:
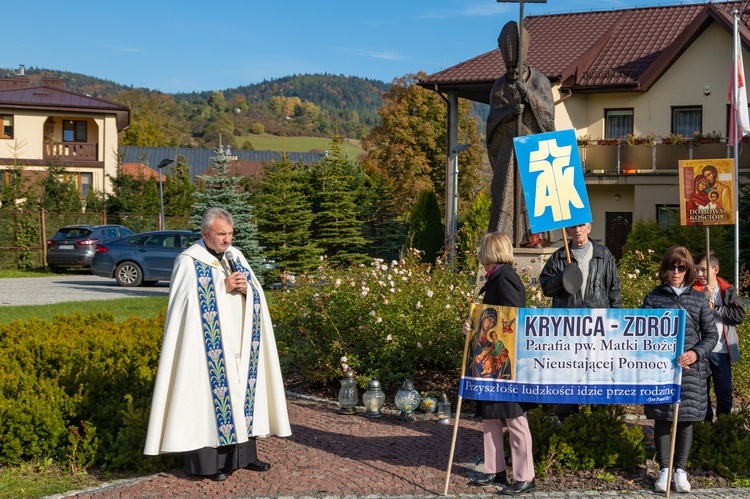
(69, 287)
(331, 455)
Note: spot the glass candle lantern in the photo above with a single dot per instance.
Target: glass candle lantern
(348, 394)
(444, 409)
(407, 400)
(373, 399)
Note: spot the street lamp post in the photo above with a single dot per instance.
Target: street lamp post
(164, 163)
(453, 205)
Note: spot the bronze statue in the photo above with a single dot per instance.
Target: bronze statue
(530, 98)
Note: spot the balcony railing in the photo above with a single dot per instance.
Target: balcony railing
(616, 156)
(71, 151)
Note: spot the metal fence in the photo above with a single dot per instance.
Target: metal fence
(24, 233)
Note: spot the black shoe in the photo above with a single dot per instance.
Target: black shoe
(491, 479)
(258, 465)
(219, 477)
(519, 488)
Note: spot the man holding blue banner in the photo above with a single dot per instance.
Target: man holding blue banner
(600, 283)
(597, 287)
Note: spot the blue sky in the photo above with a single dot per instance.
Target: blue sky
(189, 45)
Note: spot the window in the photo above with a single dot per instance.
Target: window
(667, 215)
(618, 123)
(8, 177)
(74, 131)
(82, 181)
(87, 179)
(687, 119)
(6, 132)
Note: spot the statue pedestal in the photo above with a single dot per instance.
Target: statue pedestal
(530, 261)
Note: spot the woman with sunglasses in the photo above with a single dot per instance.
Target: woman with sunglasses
(677, 274)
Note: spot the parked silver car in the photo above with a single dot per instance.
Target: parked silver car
(73, 246)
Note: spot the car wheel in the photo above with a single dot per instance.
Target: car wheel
(128, 274)
(56, 270)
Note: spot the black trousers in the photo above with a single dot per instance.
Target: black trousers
(663, 440)
(209, 460)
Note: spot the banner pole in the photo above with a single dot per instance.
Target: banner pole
(567, 249)
(457, 418)
(708, 255)
(671, 446)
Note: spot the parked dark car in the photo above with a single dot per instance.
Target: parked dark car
(74, 246)
(144, 258)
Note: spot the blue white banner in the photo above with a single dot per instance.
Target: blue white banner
(574, 356)
(552, 180)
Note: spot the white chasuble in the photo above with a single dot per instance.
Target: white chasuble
(219, 380)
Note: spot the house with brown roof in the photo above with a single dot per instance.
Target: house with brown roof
(47, 124)
(650, 72)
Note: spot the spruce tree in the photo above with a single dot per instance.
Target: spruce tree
(284, 215)
(425, 226)
(338, 229)
(57, 193)
(384, 228)
(178, 190)
(219, 189)
(134, 201)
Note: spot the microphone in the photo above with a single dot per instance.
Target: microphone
(232, 266)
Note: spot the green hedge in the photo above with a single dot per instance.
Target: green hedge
(77, 390)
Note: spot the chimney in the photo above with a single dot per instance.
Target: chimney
(19, 81)
(53, 82)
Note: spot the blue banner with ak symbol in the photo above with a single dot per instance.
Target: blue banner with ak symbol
(552, 180)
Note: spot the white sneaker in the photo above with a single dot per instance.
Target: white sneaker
(662, 481)
(680, 480)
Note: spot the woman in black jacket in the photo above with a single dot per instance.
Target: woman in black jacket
(677, 274)
(503, 287)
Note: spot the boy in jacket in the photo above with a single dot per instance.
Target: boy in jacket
(729, 312)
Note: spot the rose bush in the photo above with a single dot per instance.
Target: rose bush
(390, 320)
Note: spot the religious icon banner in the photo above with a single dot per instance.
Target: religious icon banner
(574, 356)
(707, 191)
(552, 178)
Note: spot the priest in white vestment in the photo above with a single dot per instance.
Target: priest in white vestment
(219, 384)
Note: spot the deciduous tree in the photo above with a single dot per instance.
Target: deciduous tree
(156, 120)
(409, 144)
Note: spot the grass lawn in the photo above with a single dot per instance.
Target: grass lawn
(123, 308)
(41, 480)
(267, 142)
(24, 273)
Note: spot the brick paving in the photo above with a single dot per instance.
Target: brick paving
(332, 455)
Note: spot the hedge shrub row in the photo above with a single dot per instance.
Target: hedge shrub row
(77, 390)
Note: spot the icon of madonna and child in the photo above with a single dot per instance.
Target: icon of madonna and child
(492, 343)
(706, 187)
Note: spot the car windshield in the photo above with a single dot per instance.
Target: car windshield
(72, 233)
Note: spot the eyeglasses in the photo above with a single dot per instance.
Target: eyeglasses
(678, 268)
